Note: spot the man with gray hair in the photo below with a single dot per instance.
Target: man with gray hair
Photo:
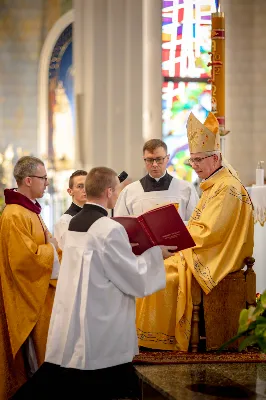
(29, 267)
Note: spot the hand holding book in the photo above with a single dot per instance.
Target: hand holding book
(168, 251)
(161, 226)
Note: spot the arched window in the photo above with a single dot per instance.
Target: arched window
(186, 43)
(43, 80)
(56, 116)
(61, 129)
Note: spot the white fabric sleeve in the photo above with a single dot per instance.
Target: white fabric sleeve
(61, 228)
(135, 276)
(121, 209)
(56, 265)
(192, 202)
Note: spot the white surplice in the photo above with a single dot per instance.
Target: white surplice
(61, 228)
(133, 200)
(93, 319)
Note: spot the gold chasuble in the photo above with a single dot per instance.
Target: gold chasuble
(26, 291)
(222, 228)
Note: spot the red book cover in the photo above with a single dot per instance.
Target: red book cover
(161, 226)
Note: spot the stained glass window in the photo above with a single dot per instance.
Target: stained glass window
(186, 43)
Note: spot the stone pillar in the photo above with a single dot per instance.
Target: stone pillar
(112, 59)
(239, 81)
(152, 69)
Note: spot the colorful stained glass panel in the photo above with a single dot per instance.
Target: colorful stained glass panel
(186, 31)
(178, 100)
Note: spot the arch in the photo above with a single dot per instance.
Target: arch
(43, 79)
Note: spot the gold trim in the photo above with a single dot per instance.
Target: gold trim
(218, 14)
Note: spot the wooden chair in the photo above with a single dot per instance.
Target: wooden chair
(216, 315)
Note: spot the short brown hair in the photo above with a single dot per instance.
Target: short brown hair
(99, 179)
(79, 172)
(26, 166)
(153, 144)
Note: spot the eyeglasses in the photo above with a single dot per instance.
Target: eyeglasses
(197, 160)
(158, 160)
(40, 177)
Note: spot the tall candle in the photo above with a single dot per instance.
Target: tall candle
(218, 68)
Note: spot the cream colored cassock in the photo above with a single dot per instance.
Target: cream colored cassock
(93, 319)
(135, 200)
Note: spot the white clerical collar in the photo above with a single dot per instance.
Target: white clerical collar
(96, 204)
(157, 179)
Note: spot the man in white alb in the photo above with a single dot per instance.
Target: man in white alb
(92, 335)
(157, 187)
(76, 190)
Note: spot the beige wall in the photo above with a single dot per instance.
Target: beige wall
(117, 48)
(245, 84)
(24, 25)
(110, 69)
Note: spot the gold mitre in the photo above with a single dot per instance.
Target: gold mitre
(203, 137)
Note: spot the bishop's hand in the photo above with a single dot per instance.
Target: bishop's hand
(168, 251)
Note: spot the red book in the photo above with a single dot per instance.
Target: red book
(160, 226)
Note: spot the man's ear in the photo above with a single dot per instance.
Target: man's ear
(70, 192)
(28, 181)
(109, 192)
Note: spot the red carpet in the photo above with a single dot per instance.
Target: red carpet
(175, 357)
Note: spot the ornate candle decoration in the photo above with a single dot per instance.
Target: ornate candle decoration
(218, 67)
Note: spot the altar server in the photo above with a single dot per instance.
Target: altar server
(157, 187)
(76, 190)
(92, 336)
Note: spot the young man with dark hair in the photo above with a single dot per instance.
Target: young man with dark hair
(157, 187)
(92, 336)
(76, 190)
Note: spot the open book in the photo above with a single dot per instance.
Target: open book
(160, 226)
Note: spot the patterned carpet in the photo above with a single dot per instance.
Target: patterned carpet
(175, 357)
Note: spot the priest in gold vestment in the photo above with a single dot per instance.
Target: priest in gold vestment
(222, 228)
(29, 267)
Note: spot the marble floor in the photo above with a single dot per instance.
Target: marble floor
(203, 381)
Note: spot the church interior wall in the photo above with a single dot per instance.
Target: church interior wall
(117, 140)
(24, 25)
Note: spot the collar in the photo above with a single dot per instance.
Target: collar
(96, 206)
(217, 175)
(215, 172)
(14, 197)
(157, 179)
(73, 209)
(76, 205)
